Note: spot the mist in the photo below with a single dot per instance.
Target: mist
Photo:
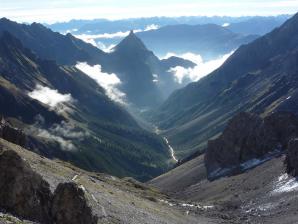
(202, 68)
(51, 97)
(109, 82)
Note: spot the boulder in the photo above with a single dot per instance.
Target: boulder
(70, 206)
(22, 191)
(12, 134)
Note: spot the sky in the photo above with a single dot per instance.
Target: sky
(51, 11)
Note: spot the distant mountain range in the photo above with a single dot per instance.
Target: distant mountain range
(209, 41)
(101, 26)
(137, 83)
(259, 77)
(210, 37)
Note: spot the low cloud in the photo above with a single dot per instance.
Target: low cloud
(105, 48)
(64, 133)
(51, 97)
(92, 38)
(109, 82)
(155, 78)
(116, 34)
(151, 27)
(88, 37)
(225, 24)
(66, 145)
(203, 68)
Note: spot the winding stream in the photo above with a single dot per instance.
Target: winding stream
(171, 150)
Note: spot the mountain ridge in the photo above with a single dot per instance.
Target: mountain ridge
(244, 82)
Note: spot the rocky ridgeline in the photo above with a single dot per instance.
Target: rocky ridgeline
(12, 134)
(249, 140)
(25, 194)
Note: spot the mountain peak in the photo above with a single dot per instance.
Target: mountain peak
(131, 43)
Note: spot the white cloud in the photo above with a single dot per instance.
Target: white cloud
(105, 48)
(102, 36)
(91, 38)
(225, 24)
(202, 69)
(155, 78)
(51, 97)
(151, 27)
(64, 144)
(64, 133)
(109, 82)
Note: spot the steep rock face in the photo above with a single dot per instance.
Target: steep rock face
(292, 157)
(11, 134)
(22, 191)
(70, 206)
(248, 137)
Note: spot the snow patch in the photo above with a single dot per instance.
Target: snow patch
(249, 164)
(256, 162)
(285, 183)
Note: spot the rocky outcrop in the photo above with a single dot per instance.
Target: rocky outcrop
(70, 206)
(292, 157)
(22, 191)
(11, 134)
(249, 137)
(27, 195)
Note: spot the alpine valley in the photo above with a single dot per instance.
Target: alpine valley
(167, 120)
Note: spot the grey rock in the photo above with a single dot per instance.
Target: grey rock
(12, 134)
(22, 191)
(292, 157)
(246, 137)
(70, 206)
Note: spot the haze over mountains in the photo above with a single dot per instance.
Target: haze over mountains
(255, 78)
(78, 110)
(211, 128)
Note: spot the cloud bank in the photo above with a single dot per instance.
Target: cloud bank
(64, 133)
(202, 69)
(93, 38)
(51, 97)
(105, 48)
(109, 82)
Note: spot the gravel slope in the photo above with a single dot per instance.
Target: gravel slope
(113, 200)
(265, 194)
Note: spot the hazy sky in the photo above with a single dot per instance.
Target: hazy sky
(63, 10)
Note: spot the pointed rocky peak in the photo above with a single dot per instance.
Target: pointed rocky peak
(4, 19)
(131, 43)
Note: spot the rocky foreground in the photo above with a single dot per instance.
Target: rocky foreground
(34, 189)
(248, 175)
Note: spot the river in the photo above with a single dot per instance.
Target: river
(171, 150)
